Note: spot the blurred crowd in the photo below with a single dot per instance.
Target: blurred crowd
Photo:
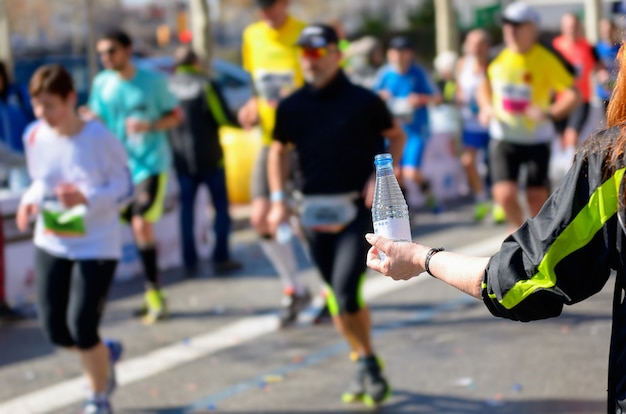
(483, 123)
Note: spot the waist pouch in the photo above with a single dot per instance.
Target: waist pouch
(328, 213)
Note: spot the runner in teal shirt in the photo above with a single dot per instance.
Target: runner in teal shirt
(136, 105)
(145, 97)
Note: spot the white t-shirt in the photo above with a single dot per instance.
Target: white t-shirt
(94, 161)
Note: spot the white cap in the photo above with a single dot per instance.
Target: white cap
(520, 12)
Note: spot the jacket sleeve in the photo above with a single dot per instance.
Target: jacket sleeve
(118, 187)
(219, 107)
(564, 254)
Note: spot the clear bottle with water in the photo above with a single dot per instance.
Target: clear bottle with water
(390, 212)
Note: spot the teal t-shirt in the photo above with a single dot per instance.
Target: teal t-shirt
(145, 97)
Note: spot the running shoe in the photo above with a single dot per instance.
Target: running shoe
(292, 304)
(498, 214)
(97, 407)
(156, 306)
(368, 385)
(356, 389)
(115, 354)
(480, 211)
(376, 388)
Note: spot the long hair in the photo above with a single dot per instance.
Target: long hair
(616, 111)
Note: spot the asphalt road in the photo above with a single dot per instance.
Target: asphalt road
(221, 350)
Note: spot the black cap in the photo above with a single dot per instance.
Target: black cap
(400, 43)
(265, 4)
(318, 35)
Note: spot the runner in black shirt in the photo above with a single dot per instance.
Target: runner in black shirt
(336, 128)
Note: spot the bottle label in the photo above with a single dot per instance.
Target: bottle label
(398, 229)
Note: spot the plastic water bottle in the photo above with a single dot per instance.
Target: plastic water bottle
(390, 212)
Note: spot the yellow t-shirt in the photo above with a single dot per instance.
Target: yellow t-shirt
(272, 58)
(518, 81)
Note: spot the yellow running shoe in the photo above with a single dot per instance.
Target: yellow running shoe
(498, 214)
(480, 211)
(156, 306)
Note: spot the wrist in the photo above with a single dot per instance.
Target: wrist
(429, 256)
(277, 196)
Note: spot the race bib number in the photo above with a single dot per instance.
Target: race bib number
(274, 86)
(62, 222)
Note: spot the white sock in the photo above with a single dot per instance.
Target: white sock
(283, 258)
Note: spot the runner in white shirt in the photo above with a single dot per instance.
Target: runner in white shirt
(79, 179)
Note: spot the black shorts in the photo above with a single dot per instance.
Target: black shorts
(505, 159)
(259, 184)
(340, 258)
(575, 120)
(70, 296)
(148, 199)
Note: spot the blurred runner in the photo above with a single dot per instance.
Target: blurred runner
(80, 177)
(578, 52)
(470, 73)
(15, 111)
(515, 100)
(327, 122)
(408, 91)
(270, 54)
(137, 106)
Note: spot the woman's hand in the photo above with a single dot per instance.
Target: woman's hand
(403, 260)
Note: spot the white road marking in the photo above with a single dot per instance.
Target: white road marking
(160, 360)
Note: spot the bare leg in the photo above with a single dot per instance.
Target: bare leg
(356, 329)
(536, 197)
(95, 363)
(468, 160)
(505, 194)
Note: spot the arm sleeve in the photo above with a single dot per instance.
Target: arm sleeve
(564, 254)
(563, 73)
(36, 190)
(245, 52)
(94, 102)
(118, 188)
(424, 84)
(219, 107)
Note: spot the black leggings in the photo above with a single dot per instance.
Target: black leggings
(71, 300)
(340, 258)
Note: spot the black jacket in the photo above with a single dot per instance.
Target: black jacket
(195, 142)
(568, 251)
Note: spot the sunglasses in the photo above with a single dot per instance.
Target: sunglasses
(110, 51)
(514, 24)
(314, 53)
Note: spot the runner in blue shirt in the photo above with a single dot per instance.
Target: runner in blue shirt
(136, 105)
(408, 91)
(15, 111)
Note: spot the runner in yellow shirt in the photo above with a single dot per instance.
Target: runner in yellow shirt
(516, 102)
(271, 57)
